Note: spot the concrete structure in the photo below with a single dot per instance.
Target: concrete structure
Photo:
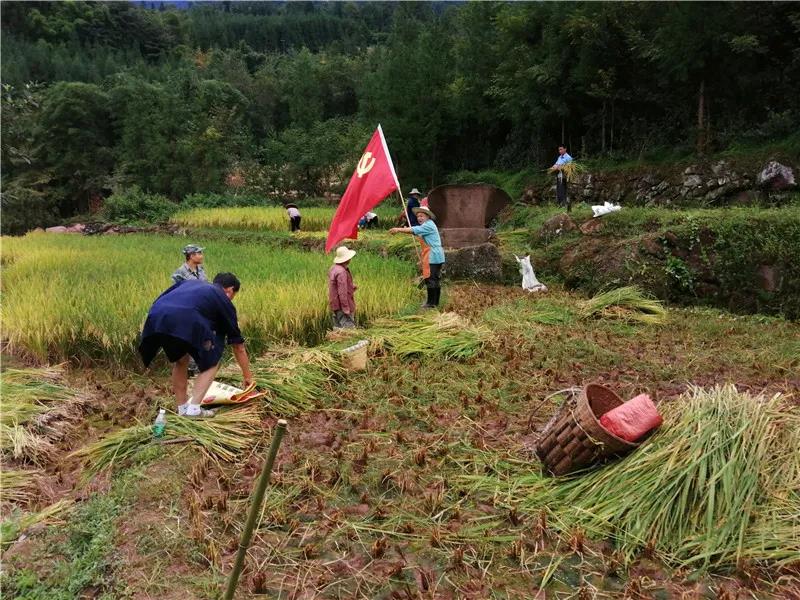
(464, 212)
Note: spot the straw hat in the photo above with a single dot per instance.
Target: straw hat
(424, 209)
(415, 192)
(343, 254)
(290, 205)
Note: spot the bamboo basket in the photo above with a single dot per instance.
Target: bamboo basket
(574, 438)
(355, 357)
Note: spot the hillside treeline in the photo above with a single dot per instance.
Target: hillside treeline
(270, 97)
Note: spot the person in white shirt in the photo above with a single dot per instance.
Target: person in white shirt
(294, 216)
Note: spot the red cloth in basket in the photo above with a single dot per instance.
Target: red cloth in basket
(633, 419)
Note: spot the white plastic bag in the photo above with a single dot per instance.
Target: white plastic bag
(529, 281)
(607, 207)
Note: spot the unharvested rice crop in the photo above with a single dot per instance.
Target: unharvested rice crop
(261, 218)
(717, 486)
(87, 297)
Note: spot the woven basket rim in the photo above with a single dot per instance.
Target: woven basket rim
(584, 397)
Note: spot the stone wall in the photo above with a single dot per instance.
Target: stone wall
(716, 183)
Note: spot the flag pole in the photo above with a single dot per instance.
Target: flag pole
(417, 245)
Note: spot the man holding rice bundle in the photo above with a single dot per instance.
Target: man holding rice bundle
(193, 319)
(561, 179)
(429, 234)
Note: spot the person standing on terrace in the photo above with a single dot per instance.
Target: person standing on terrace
(561, 179)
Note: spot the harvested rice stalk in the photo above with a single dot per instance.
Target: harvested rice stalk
(33, 413)
(296, 377)
(446, 335)
(52, 374)
(18, 485)
(628, 303)
(571, 170)
(716, 485)
(13, 527)
(222, 437)
(115, 447)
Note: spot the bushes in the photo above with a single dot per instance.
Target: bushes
(136, 206)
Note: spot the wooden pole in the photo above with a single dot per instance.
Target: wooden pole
(255, 508)
(408, 220)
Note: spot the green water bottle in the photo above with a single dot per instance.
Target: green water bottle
(160, 424)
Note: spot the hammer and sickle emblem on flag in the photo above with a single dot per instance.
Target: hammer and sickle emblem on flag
(365, 164)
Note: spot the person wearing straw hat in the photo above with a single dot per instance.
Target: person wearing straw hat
(294, 216)
(412, 202)
(429, 234)
(341, 289)
(192, 269)
(194, 319)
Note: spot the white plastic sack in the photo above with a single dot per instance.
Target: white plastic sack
(529, 281)
(607, 207)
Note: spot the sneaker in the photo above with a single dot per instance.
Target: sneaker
(193, 411)
(182, 409)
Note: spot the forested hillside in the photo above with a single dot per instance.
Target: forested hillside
(270, 97)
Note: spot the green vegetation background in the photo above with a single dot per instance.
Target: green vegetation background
(268, 98)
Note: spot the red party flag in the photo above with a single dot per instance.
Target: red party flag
(372, 181)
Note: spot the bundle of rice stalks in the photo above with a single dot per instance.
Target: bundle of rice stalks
(52, 374)
(295, 377)
(446, 335)
(628, 303)
(571, 170)
(35, 413)
(222, 437)
(18, 485)
(715, 487)
(510, 315)
(13, 527)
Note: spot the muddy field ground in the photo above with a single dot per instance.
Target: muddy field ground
(372, 494)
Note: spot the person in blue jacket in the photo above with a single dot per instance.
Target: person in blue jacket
(193, 319)
(412, 202)
(429, 233)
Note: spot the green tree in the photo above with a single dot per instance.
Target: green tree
(75, 142)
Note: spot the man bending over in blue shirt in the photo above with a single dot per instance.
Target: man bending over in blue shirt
(193, 318)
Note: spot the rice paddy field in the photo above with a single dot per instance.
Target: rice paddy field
(73, 297)
(415, 478)
(260, 218)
